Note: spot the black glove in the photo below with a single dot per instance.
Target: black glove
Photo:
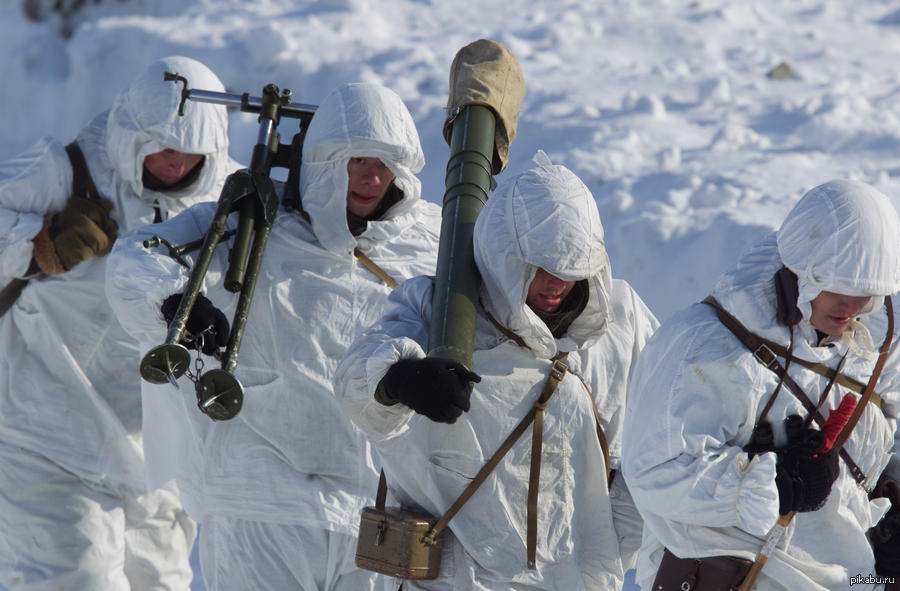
(885, 535)
(206, 326)
(762, 440)
(804, 479)
(435, 387)
(82, 230)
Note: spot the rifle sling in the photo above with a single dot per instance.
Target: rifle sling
(764, 353)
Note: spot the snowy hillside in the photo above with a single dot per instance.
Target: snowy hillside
(664, 107)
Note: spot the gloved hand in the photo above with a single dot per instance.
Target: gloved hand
(206, 326)
(804, 476)
(762, 440)
(435, 387)
(885, 535)
(83, 229)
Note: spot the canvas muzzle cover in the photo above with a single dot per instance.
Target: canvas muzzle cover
(486, 73)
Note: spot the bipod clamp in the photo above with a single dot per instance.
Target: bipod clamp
(185, 93)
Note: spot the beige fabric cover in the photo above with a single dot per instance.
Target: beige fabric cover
(486, 73)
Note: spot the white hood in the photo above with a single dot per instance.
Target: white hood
(356, 120)
(545, 217)
(144, 120)
(842, 237)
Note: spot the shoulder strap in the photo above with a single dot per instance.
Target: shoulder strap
(82, 183)
(557, 372)
(821, 369)
(764, 354)
(870, 386)
(381, 495)
(374, 268)
(601, 436)
(505, 331)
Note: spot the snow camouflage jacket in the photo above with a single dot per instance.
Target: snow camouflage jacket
(290, 456)
(697, 392)
(70, 392)
(546, 218)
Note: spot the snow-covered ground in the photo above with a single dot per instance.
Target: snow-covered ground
(664, 107)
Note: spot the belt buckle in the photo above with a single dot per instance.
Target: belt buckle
(764, 350)
(558, 371)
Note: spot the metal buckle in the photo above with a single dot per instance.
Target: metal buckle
(558, 371)
(762, 350)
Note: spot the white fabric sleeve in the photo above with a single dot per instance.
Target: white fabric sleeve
(690, 396)
(138, 278)
(626, 520)
(34, 183)
(400, 333)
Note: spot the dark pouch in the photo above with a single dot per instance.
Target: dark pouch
(711, 573)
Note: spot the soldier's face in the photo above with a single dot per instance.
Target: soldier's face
(832, 312)
(547, 291)
(368, 180)
(170, 166)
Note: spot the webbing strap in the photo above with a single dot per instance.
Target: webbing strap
(505, 331)
(819, 368)
(381, 495)
(764, 354)
(870, 387)
(489, 466)
(374, 268)
(82, 183)
(601, 436)
(557, 373)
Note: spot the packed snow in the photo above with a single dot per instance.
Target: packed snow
(696, 124)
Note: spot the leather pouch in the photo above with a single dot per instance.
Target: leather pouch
(711, 573)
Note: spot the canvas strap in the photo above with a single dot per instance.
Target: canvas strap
(763, 353)
(505, 331)
(601, 436)
(374, 268)
(82, 183)
(557, 372)
(819, 368)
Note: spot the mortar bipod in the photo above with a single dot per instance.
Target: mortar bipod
(252, 194)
